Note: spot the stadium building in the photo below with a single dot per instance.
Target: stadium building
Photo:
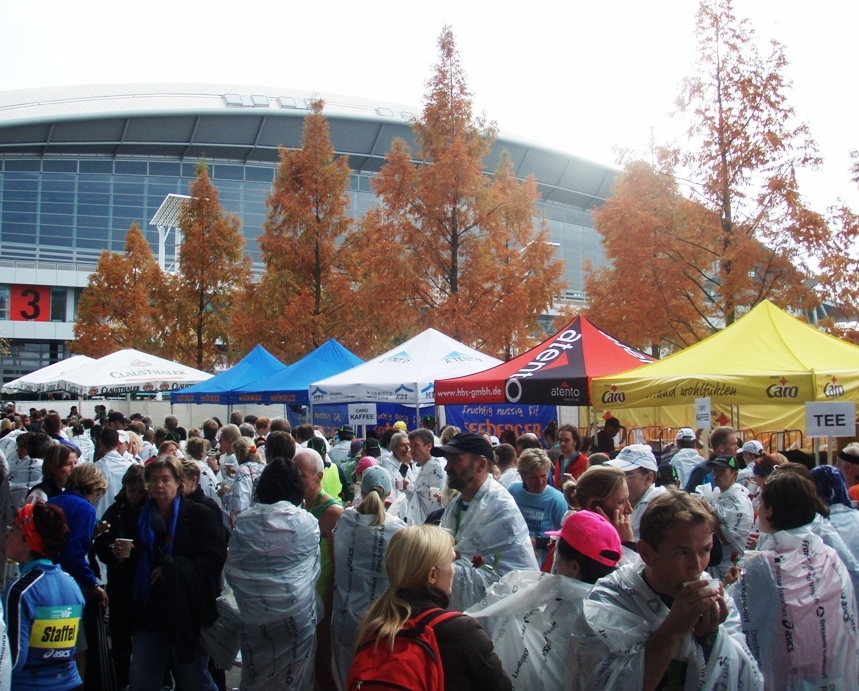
(79, 165)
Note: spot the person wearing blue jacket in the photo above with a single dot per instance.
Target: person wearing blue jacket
(84, 488)
(43, 607)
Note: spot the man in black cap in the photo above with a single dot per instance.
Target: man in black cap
(429, 422)
(491, 534)
(340, 452)
(117, 420)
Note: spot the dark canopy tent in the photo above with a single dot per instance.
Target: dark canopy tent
(556, 372)
(257, 364)
(291, 385)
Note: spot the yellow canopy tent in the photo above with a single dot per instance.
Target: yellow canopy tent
(768, 362)
(766, 357)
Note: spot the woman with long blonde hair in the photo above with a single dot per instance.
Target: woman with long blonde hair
(419, 566)
(361, 538)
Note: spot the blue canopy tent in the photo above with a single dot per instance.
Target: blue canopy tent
(290, 386)
(257, 365)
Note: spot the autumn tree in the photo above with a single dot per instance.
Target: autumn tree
(116, 306)
(747, 147)
(306, 294)
(838, 265)
(660, 246)
(450, 246)
(196, 301)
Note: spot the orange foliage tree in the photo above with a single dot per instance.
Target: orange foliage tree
(747, 148)
(116, 306)
(839, 266)
(196, 301)
(662, 290)
(307, 293)
(450, 246)
(655, 294)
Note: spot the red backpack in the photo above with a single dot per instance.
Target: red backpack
(413, 665)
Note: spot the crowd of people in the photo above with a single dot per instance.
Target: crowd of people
(148, 557)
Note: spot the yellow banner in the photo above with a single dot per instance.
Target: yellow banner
(55, 627)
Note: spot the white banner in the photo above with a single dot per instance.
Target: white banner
(362, 413)
(702, 413)
(837, 419)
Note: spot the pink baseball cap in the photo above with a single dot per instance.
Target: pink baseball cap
(364, 463)
(592, 535)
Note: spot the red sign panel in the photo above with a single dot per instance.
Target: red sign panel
(30, 303)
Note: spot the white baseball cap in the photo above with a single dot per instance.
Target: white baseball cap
(635, 456)
(685, 434)
(753, 447)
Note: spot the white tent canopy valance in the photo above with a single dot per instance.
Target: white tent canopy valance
(128, 371)
(405, 374)
(46, 378)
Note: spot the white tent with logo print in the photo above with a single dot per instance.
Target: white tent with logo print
(127, 371)
(47, 377)
(405, 374)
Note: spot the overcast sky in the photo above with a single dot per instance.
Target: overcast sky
(581, 77)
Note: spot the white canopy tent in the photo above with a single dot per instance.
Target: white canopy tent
(46, 378)
(405, 374)
(129, 371)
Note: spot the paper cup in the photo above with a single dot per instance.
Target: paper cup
(123, 547)
(435, 494)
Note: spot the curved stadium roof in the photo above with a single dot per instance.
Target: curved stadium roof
(248, 123)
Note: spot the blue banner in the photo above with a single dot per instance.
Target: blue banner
(494, 418)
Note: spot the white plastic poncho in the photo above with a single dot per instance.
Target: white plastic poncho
(359, 578)
(736, 515)
(620, 615)
(493, 529)
(529, 615)
(823, 528)
(798, 611)
(241, 494)
(272, 567)
(684, 461)
(641, 506)
(113, 467)
(845, 520)
(421, 499)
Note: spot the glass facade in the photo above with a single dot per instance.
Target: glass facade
(67, 211)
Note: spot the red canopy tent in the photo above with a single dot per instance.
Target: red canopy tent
(556, 372)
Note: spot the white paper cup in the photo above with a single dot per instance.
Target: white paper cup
(712, 585)
(123, 547)
(435, 494)
(401, 483)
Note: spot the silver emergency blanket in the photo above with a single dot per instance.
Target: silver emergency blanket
(798, 611)
(736, 516)
(493, 529)
(529, 616)
(223, 638)
(359, 578)
(831, 538)
(845, 520)
(272, 567)
(619, 617)
(424, 495)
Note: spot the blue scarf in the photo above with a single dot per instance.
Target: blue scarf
(143, 577)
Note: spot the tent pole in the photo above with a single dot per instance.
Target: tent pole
(815, 448)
